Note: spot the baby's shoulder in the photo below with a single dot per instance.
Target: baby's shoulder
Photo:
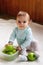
(15, 29)
(29, 29)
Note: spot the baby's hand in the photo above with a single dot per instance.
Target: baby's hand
(19, 48)
(8, 44)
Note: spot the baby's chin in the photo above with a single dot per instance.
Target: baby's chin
(21, 28)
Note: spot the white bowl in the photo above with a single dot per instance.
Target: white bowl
(9, 57)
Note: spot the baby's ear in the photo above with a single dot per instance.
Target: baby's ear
(30, 21)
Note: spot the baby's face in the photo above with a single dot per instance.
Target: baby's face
(22, 22)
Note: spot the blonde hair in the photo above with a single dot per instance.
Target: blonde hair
(22, 13)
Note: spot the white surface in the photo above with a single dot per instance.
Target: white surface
(6, 27)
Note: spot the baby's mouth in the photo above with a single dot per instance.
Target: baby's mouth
(21, 26)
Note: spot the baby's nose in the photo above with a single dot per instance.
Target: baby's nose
(21, 23)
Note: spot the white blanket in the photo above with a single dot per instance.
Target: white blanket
(7, 26)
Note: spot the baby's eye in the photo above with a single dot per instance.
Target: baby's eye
(19, 21)
(24, 22)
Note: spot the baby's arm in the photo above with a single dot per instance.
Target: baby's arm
(28, 40)
(13, 36)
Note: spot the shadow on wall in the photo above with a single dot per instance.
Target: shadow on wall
(7, 17)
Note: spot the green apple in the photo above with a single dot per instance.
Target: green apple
(31, 56)
(10, 53)
(9, 47)
(5, 50)
(14, 51)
